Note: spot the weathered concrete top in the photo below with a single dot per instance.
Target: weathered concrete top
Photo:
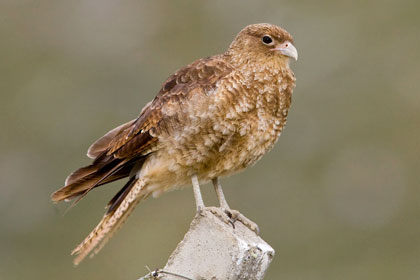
(214, 250)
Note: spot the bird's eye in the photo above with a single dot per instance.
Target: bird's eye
(267, 40)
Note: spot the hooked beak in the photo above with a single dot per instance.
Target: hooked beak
(287, 49)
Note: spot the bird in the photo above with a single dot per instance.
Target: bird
(210, 119)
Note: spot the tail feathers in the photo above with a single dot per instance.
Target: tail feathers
(86, 178)
(117, 199)
(78, 188)
(81, 173)
(123, 204)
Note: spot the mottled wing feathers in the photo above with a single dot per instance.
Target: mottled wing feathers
(101, 145)
(204, 72)
(140, 137)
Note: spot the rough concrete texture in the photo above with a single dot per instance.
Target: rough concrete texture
(214, 250)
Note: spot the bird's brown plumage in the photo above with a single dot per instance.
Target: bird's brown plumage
(211, 118)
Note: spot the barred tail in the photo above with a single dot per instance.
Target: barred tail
(120, 207)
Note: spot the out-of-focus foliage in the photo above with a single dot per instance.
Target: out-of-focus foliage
(338, 197)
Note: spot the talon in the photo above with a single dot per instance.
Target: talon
(232, 223)
(237, 216)
(231, 216)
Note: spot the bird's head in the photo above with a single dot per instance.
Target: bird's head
(265, 41)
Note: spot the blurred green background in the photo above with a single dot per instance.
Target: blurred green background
(338, 197)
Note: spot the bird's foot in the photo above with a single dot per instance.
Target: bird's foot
(235, 215)
(230, 216)
(220, 213)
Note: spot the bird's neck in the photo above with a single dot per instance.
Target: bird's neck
(252, 66)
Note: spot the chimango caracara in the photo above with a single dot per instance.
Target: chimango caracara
(210, 119)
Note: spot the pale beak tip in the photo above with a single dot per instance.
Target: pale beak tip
(289, 50)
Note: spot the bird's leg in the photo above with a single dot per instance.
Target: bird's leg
(197, 194)
(220, 195)
(233, 215)
(200, 203)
